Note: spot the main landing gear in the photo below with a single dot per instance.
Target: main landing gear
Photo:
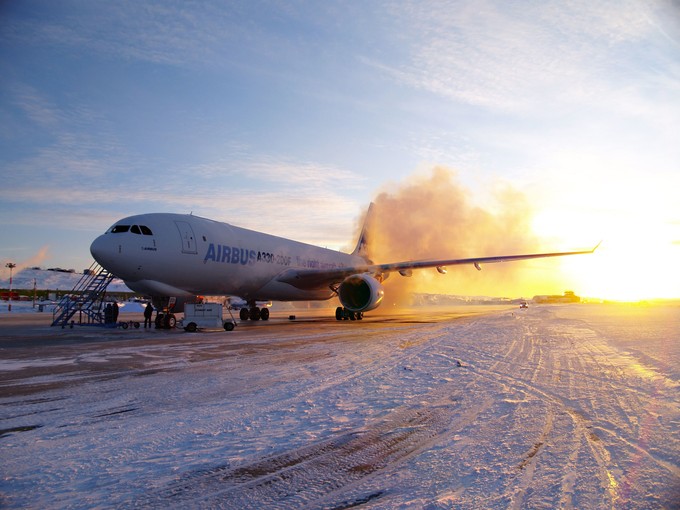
(165, 321)
(343, 314)
(254, 314)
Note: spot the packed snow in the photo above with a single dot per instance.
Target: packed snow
(50, 281)
(551, 407)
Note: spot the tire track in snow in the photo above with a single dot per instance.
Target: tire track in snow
(566, 376)
(277, 403)
(320, 475)
(373, 364)
(582, 428)
(600, 454)
(331, 473)
(528, 464)
(523, 368)
(376, 367)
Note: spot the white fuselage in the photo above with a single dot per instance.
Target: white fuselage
(163, 254)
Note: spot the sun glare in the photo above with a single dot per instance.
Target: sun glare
(638, 258)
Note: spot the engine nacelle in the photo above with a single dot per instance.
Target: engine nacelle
(360, 293)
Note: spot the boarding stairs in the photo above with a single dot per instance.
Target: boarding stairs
(85, 299)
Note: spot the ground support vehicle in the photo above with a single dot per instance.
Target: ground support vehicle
(205, 316)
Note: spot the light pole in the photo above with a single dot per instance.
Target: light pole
(11, 266)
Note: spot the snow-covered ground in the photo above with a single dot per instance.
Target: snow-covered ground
(52, 281)
(551, 407)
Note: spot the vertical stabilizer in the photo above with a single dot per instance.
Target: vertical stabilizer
(362, 244)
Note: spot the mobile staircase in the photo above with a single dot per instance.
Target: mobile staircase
(85, 299)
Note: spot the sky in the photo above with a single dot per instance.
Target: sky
(291, 117)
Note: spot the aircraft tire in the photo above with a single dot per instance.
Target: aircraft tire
(264, 314)
(228, 326)
(255, 314)
(191, 327)
(243, 314)
(339, 313)
(352, 316)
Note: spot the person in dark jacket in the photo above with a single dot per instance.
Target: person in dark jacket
(148, 313)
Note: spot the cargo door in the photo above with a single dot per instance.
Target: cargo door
(187, 235)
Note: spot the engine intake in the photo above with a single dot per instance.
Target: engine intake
(360, 293)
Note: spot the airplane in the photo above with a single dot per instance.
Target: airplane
(175, 257)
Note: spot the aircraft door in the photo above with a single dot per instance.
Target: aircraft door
(187, 235)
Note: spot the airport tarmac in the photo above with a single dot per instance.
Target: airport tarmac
(564, 406)
(71, 350)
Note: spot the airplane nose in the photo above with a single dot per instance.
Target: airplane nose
(96, 248)
(101, 251)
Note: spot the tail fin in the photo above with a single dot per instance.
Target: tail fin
(362, 244)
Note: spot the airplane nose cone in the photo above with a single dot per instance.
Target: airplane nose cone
(96, 248)
(101, 251)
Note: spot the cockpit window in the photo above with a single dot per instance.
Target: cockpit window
(135, 229)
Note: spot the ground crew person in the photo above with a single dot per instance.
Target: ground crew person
(148, 312)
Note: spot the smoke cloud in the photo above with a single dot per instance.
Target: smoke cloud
(434, 216)
(35, 260)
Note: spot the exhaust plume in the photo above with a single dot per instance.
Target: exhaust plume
(432, 217)
(35, 260)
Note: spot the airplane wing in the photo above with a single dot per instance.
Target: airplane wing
(315, 278)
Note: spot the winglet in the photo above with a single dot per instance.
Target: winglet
(361, 248)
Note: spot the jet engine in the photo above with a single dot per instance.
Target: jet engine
(360, 293)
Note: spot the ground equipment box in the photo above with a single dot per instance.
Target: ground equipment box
(204, 315)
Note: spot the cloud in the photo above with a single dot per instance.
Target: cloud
(303, 200)
(300, 200)
(36, 107)
(178, 34)
(510, 57)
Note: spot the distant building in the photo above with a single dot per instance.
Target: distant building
(568, 297)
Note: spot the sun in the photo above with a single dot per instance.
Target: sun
(637, 260)
(623, 270)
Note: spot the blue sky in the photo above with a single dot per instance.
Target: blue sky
(290, 117)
